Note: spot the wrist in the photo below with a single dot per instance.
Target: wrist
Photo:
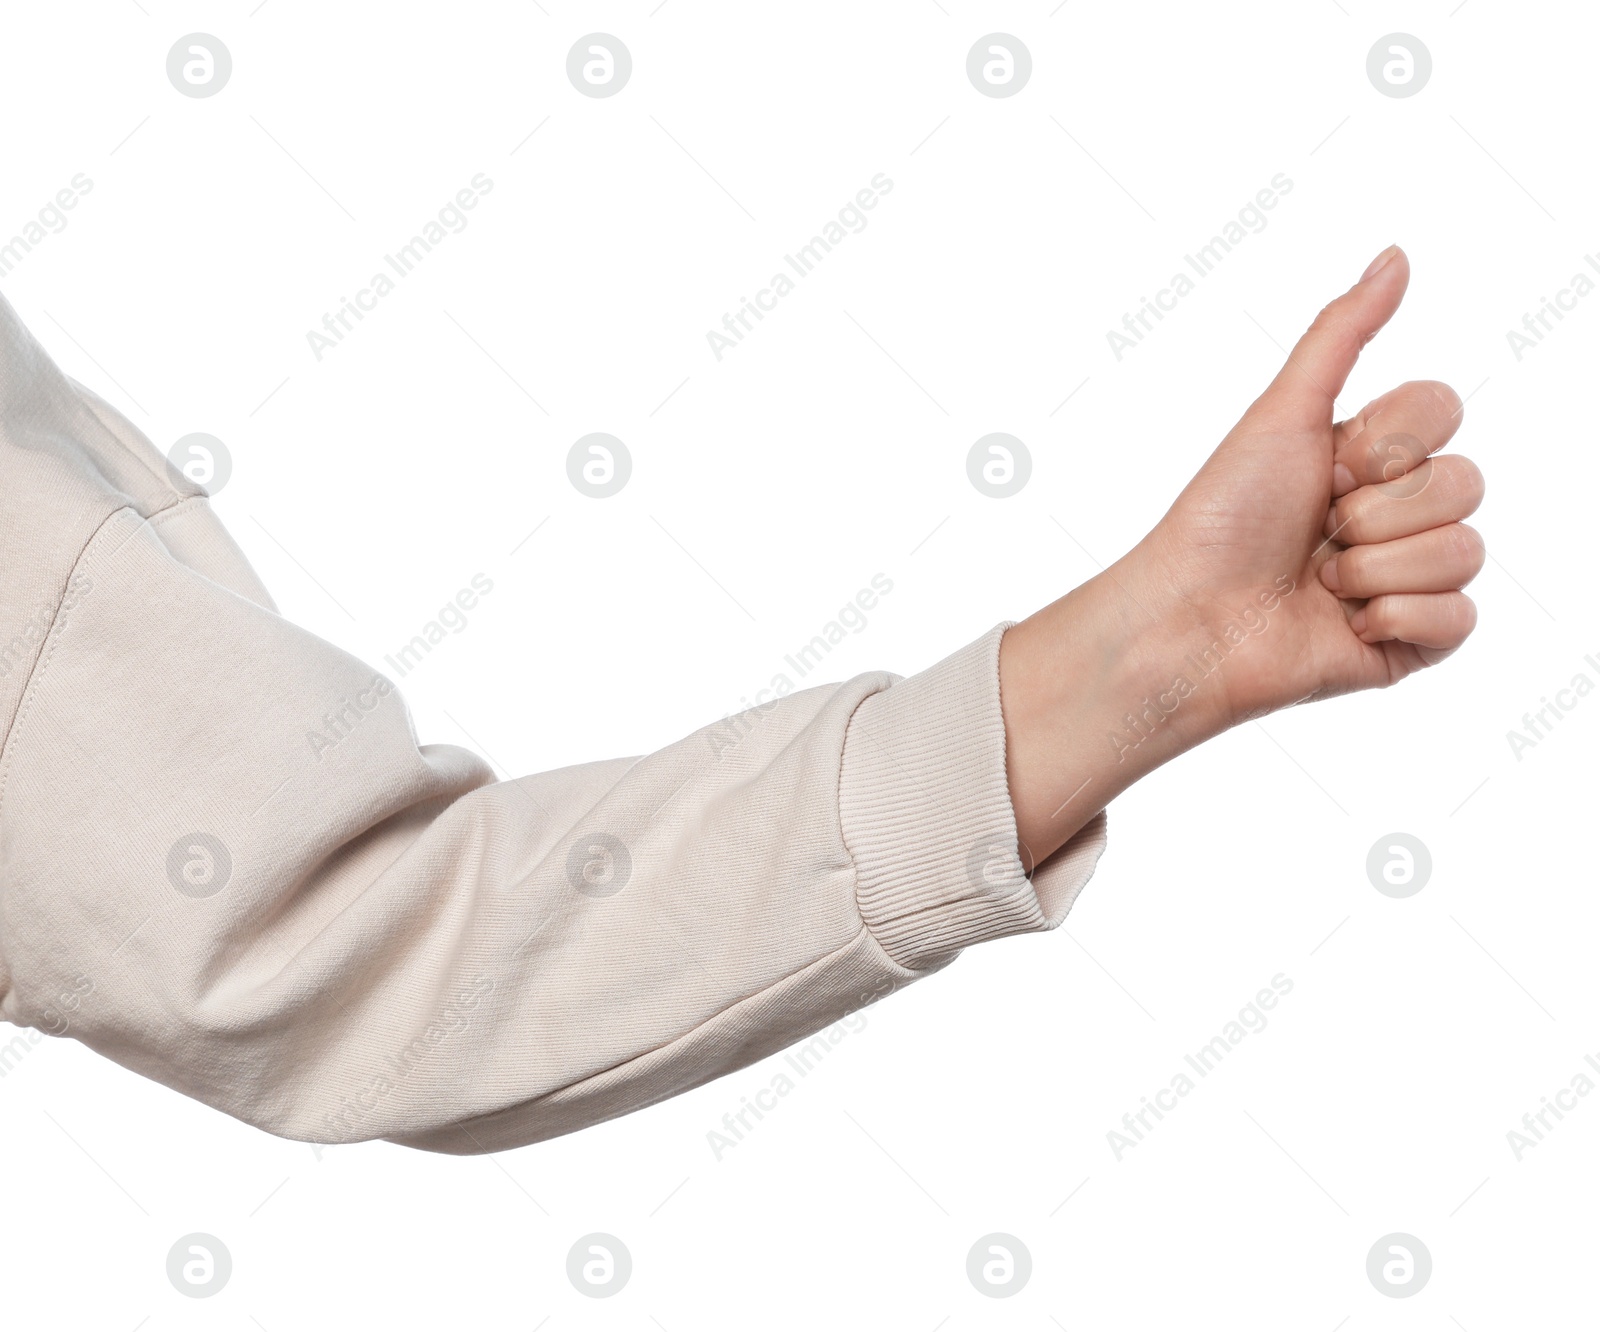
(1098, 689)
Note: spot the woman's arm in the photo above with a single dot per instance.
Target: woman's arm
(227, 863)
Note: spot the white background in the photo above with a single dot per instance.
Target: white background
(768, 488)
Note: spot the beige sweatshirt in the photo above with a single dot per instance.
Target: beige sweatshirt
(377, 939)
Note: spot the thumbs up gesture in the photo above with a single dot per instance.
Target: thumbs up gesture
(1309, 557)
(1358, 513)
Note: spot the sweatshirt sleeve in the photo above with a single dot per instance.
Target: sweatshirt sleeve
(227, 863)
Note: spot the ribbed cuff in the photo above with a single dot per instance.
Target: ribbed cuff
(926, 815)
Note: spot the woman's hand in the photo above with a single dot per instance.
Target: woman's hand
(1307, 558)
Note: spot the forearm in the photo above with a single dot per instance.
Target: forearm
(1098, 691)
(230, 865)
(335, 934)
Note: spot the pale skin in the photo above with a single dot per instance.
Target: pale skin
(1356, 516)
